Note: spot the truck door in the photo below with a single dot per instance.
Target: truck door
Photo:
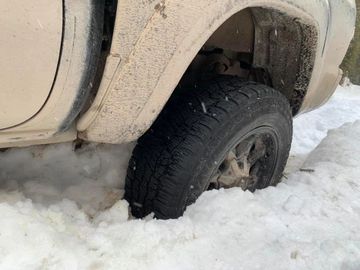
(30, 45)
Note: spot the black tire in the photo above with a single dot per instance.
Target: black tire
(174, 161)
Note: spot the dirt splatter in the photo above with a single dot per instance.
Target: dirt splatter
(160, 7)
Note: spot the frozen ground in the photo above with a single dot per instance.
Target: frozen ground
(54, 208)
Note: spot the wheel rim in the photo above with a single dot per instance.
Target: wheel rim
(250, 163)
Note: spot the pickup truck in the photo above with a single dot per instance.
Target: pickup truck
(208, 89)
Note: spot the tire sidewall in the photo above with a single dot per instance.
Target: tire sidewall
(263, 113)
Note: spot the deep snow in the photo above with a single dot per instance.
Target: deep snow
(54, 207)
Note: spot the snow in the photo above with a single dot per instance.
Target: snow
(59, 208)
(203, 107)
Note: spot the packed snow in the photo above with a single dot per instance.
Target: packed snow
(60, 208)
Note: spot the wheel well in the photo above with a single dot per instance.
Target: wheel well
(262, 45)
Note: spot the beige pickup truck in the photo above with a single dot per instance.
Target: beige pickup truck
(209, 88)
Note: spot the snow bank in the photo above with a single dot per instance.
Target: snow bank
(312, 127)
(52, 203)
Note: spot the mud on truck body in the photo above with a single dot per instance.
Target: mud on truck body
(208, 88)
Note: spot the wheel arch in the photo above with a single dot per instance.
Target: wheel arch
(169, 37)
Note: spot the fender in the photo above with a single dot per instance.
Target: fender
(154, 43)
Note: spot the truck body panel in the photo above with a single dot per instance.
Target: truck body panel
(150, 53)
(153, 45)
